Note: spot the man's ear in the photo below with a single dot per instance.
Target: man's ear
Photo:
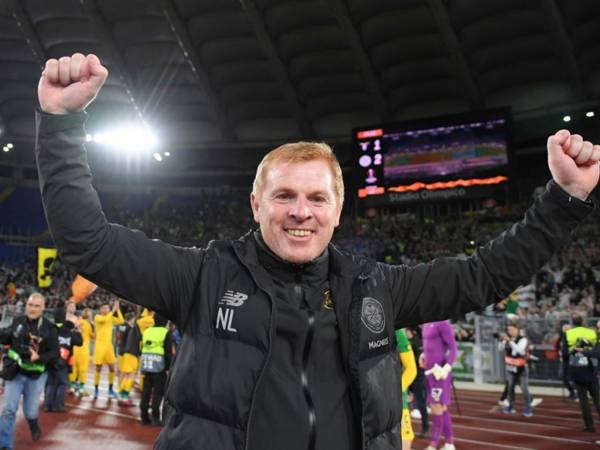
(254, 204)
(338, 216)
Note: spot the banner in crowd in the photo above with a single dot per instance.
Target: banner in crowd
(81, 288)
(46, 257)
(462, 369)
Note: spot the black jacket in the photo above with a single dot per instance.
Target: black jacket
(131, 340)
(24, 334)
(68, 337)
(216, 373)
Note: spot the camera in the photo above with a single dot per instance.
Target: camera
(22, 342)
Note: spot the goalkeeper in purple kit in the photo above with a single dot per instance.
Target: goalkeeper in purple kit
(439, 353)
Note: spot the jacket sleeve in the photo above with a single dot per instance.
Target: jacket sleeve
(76, 339)
(6, 335)
(123, 261)
(447, 334)
(451, 287)
(51, 351)
(519, 348)
(117, 318)
(409, 369)
(168, 346)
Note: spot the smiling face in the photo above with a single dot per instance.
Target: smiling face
(297, 209)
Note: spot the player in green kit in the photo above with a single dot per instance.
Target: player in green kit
(409, 372)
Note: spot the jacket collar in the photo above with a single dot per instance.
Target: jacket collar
(341, 263)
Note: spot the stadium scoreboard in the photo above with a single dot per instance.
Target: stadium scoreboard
(431, 159)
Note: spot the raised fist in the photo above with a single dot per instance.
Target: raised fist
(573, 163)
(70, 83)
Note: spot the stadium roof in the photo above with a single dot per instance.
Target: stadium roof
(230, 75)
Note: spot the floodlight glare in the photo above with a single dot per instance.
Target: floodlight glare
(9, 145)
(6, 149)
(88, 137)
(589, 114)
(157, 157)
(566, 118)
(167, 153)
(132, 139)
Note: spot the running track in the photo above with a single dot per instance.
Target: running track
(102, 424)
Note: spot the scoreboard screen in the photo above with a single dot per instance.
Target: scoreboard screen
(467, 149)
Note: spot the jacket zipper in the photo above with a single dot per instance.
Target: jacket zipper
(355, 371)
(267, 358)
(310, 319)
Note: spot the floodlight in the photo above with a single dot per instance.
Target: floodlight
(134, 139)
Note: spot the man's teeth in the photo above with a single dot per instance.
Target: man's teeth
(300, 233)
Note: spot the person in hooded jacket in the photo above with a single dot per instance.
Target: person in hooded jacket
(58, 373)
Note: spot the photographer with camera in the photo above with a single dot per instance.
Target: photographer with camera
(583, 362)
(33, 343)
(515, 347)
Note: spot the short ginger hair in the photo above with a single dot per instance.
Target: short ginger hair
(296, 152)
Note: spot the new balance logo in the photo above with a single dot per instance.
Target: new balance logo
(225, 315)
(231, 298)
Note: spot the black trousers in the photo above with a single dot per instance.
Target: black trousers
(154, 390)
(586, 411)
(564, 374)
(504, 395)
(418, 388)
(521, 378)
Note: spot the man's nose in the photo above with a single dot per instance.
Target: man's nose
(301, 208)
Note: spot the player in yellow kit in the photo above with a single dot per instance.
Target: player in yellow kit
(81, 355)
(104, 350)
(409, 372)
(146, 320)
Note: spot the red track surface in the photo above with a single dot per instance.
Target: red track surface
(556, 424)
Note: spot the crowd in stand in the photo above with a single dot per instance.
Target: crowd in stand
(569, 283)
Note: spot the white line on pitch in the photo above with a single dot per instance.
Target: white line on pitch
(535, 414)
(516, 433)
(489, 444)
(512, 422)
(104, 411)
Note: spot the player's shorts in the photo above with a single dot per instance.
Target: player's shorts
(406, 426)
(128, 363)
(81, 352)
(104, 354)
(439, 391)
(81, 363)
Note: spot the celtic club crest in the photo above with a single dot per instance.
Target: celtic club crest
(372, 315)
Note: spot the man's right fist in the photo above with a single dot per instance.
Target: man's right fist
(70, 83)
